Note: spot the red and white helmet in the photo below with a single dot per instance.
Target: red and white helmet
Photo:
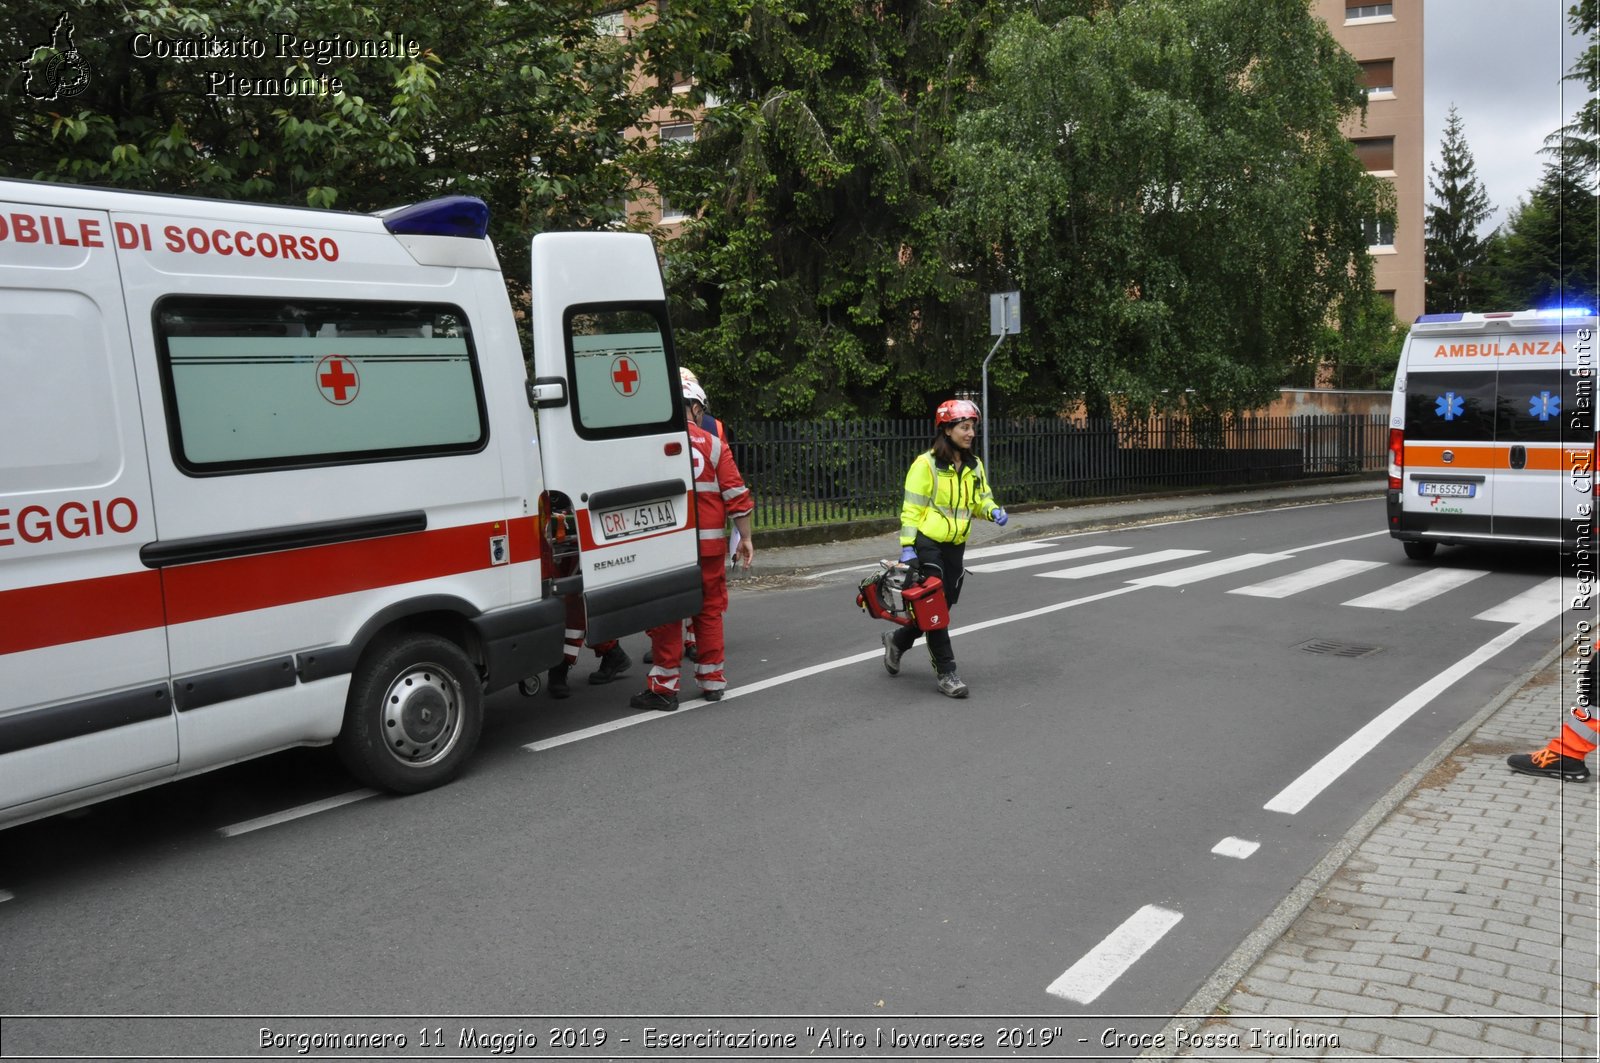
(953, 410)
(686, 375)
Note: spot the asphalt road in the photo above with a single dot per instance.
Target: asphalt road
(828, 840)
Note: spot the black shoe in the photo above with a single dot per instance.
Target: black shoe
(614, 663)
(891, 654)
(650, 700)
(691, 651)
(1550, 764)
(649, 657)
(558, 682)
(711, 695)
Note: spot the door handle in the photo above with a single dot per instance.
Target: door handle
(1519, 457)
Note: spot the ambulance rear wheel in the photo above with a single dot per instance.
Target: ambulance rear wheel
(1420, 551)
(413, 716)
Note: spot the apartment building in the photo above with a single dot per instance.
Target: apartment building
(1386, 39)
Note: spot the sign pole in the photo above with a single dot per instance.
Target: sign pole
(1005, 319)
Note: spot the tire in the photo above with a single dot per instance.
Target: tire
(1419, 551)
(413, 716)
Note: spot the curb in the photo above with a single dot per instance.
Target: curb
(1203, 1004)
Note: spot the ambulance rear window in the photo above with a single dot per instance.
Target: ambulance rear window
(619, 362)
(1457, 406)
(254, 384)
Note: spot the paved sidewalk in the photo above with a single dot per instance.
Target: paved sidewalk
(1457, 921)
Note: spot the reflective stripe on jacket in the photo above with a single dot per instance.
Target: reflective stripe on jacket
(719, 490)
(941, 500)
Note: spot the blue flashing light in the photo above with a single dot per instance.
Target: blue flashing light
(1566, 311)
(1427, 318)
(465, 216)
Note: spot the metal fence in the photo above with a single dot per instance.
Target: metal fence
(806, 473)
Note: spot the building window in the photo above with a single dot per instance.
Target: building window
(1354, 9)
(1387, 293)
(1377, 77)
(1378, 233)
(677, 135)
(1376, 153)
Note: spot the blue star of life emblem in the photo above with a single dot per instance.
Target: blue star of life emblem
(1449, 406)
(1544, 405)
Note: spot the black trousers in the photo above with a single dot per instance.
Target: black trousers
(942, 560)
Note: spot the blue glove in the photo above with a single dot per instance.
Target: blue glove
(999, 517)
(908, 554)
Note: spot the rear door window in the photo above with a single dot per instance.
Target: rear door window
(1457, 406)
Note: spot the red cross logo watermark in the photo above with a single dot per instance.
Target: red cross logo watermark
(624, 376)
(337, 380)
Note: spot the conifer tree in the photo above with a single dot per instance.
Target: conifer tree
(1456, 254)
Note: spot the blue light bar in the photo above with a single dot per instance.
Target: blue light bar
(465, 216)
(1425, 318)
(1567, 311)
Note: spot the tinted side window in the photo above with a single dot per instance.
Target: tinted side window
(256, 384)
(623, 380)
(1534, 406)
(1455, 406)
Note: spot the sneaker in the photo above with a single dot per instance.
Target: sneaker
(1549, 763)
(891, 654)
(711, 695)
(614, 663)
(691, 651)
(650, 700)
(558, 682)
(951, 686)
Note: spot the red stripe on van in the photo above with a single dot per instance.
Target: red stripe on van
(114, 605)
(261, 581)
(36, 617)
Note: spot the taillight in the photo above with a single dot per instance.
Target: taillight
(1397, 457)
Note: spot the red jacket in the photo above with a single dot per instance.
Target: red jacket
(719, 490)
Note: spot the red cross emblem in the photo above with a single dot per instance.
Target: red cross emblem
(337, 380)
(624, 376)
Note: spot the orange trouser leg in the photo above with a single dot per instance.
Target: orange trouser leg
(1578, 733)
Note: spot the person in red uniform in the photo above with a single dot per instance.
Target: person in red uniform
(720, 494)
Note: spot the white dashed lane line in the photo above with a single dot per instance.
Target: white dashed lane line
(1109, 960)
(1238, 848)
(296, 813)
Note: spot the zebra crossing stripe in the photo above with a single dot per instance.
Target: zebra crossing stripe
(1210, 570)
(1117, 564)
(1295, 582)
(1417, 589)
(1538, 603)
(1044, 559)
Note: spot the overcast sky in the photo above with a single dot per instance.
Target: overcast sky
(1501, 63)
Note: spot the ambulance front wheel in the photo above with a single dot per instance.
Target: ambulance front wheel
(413, 716)
(1418, 550)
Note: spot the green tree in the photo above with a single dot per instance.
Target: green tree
(526, 105)
(1545, 253)
(1169, 184)
(816, 277)
(1456, 254)
(1579, 141)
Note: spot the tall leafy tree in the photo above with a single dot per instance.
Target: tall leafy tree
(1579, 140)
(1169, 184)
(816, 277)
(525, 104)
(1545, 254)
(1456, 254)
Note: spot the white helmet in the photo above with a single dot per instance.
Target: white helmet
(693, 392)
(686, 375)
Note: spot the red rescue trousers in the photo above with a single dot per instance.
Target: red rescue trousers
(666, 641)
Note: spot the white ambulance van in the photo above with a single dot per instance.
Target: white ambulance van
(274, 477)
(1491, 431)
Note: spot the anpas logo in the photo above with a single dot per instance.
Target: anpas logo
(56, 71)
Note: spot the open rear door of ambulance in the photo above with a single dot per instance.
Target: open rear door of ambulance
(612, 440)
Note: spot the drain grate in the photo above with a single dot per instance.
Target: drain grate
(1329, 648)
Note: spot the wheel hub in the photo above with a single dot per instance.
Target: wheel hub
(420, 715)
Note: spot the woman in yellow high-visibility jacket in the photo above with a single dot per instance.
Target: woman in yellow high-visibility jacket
(945, 489)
